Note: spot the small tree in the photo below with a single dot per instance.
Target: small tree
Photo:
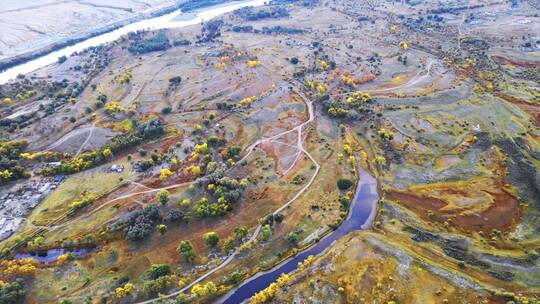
(240, 232)
(163, 196)
(292, 238)
(162, 229)
(211, 239)
(165, 174)
(235, 277)
(107, 152)
(158, 270)
(182, 299)
(187, 251)
(204, 290)
(278, 217)
(344, 184)
(185, 203)
(228, 244)
(122, 292)
(266, 233)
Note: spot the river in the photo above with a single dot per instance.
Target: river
(52, 255)
(360, 217)
(172, 20)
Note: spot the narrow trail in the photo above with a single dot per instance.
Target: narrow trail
(274, 138)
(92, 128)
(420, 76)
(300, 147)
(151, 190)
(249, 150)
(460, 33)
(69, 135)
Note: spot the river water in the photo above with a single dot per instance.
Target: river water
(364, 201)
(172, 20)
(52, 255)
(360, 217)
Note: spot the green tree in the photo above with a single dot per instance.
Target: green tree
(162, 229)
(235, 277)
(185, 203)
(163, 196)
(159, 285)
(158, 270)
(266, 233)
(11, 293)
(181, 299)
(292, 238)
(240, 232)
(187, 251)
(211, 239)
(228, 244)
(344, 184)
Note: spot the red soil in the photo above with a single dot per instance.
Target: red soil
(520, 63)
(502, 214)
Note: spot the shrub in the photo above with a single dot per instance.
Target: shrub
(211, 239)
(163, 196)
(187, 251)
(235, 277)
(240, 232)
(176, 80)
(158, 270)
(292, 238)
(11, 156)
(177, 216)
(159, 285)
(266, 233)
(12, 293)
(159, 42)
(140, 223)
(344, 184)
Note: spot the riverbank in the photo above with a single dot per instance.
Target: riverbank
(184, 5)
(12, 61)
(163, 21)
(361, 214)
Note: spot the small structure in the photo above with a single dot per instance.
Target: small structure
(117, 168)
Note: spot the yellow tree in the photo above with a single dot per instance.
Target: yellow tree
(165, 174)
(107, 152)
(122, 292)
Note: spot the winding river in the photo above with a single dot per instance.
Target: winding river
(172, 20)
(360, 217)
(364, 201)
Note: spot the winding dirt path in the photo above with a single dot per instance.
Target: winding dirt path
(300, 147)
